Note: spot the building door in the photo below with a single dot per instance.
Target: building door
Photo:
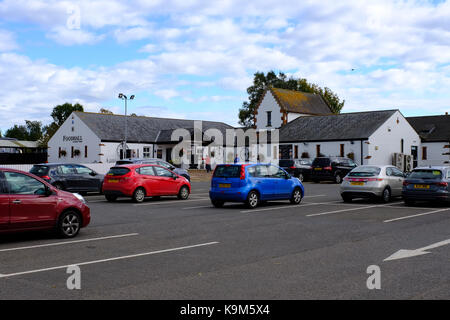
(414, 153)
(169, 154)
(286, 151)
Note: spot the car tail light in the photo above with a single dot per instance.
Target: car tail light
(442, 184)
(405, 183)
(374, 179)
(45, 177)
(292, 167)
(327, 168)
(242, 172)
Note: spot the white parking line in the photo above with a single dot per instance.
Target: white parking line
(106, 260)
(344, 210)
(171, 201)
(69, 242)
(416, 215)
(199, 207)
(284, 207)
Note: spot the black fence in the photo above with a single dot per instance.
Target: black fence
(23, 158)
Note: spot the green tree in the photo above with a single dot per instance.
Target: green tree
(31, 131)
(19, 132)
(61, 112)
(105, 111)
(262, 81)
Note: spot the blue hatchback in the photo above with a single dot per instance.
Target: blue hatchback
(253, 183)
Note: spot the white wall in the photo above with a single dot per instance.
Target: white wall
(111, 150)
(386, 140)
(435, 155)
(330, 148)
(268, 104)
(88, 138)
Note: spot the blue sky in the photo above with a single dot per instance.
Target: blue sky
(195, 59)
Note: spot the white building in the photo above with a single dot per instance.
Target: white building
(435, 135)
(98, 138)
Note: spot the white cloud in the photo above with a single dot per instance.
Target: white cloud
(68, 37)
(7, 41)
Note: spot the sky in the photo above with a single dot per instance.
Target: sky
(195, 59)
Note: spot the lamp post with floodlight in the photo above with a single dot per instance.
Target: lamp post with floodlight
(124, 146)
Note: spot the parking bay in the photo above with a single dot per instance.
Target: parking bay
(190, 250)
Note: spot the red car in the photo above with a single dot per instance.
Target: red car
(29, 203)
(143, 180)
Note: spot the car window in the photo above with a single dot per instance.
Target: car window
(148, 171)
(397, 172)
(164, 164)
(321, 162)
(83, 170)
(39, 170)
(275, 172)
(161, 172)
(19, 183)
(425, 174)
(365, 171)
(389, 171)
(2, 184)
(66, 169)
(251, 171)
(262, 171)
(118, 171)
(227, 172)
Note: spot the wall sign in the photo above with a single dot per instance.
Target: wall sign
(74, 139)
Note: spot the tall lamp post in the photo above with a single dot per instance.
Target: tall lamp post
(124, 146)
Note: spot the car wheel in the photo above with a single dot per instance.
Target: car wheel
(347, 198)
(296, 196)
(184, 193)
(386, 195)
(58, 186)
(110, 198)
(338, 178)
(300, 177)
(409, 202)
(139, 195)
(69, 224)
(217, 203)
(252, 200)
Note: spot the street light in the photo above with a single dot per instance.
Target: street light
(124, 146)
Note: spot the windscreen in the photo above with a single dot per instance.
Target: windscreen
(39, 170)
(365, 172)
(118, 171)
(321, 162)
(120, 162)
(227, 172)
(286, 163)
(425, 174)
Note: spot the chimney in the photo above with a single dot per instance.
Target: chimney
(446, 113)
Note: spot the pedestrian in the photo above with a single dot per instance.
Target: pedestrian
(236, 160)
(208, 164)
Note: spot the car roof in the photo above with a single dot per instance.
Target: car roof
(432, 168)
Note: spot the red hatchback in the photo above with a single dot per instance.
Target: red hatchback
(29, 203)
(142, 180)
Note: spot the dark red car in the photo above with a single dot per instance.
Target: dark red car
(29, 203)
(143, 180)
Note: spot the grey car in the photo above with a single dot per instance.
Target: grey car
(157, 161)
(371, 181)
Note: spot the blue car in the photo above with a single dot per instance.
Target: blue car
(427, 183)
(253, 183)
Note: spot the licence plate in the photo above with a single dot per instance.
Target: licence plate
(317, 169)
(113, 180)
(421, 186)
(357, 183)
(224, 185)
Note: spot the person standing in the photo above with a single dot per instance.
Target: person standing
(236, 160)
(208, 164)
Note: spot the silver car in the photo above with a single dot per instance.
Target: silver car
(367, 181)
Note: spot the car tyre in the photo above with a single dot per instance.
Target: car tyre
(217, 203)
(386, 195)
(69, 224)
(183, 194)
(297, 196)
(347, 198)
(110, 198)
(409, 202)
(338, 178)
(139, 195)
(252, 200)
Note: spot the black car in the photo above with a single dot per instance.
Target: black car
(299, 168)
(69, 177)
(157, 161)
(331, 168)
(427, 183)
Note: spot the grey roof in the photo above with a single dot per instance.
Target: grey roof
(432, 128)
(344, 126)
(140, 129)
(301, 102)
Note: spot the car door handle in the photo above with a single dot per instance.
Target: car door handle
(17, 202)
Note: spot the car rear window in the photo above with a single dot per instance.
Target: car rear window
(425, 174)
(120, 162)
(118, 171)
(365, 172)
(321, 162)
(286, 163)
(39, 170)
(227, 172)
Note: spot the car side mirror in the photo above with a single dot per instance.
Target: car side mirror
(175, 177)
(93, 173)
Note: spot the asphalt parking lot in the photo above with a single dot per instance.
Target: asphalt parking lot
(172, 249)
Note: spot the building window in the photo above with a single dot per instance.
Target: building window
(318, 150)
(59, 152)
(402, 143)
(342, 151)
(72, 152)
(147, 152)
(424, 153)
(269, 118)
(296, 152)
(85, 152)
